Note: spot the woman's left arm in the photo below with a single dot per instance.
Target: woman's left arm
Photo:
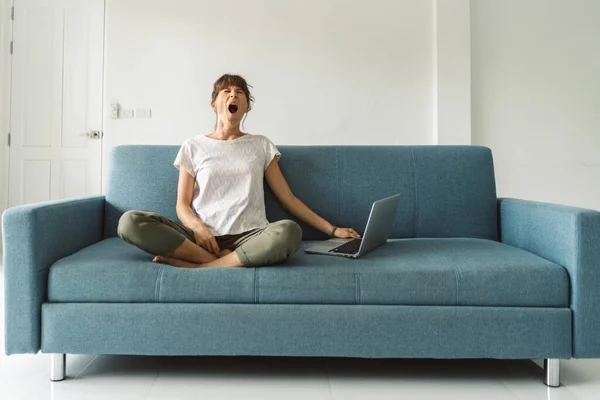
(284, 194)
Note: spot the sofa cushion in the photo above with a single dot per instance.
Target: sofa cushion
(451, 271)
(447, 191)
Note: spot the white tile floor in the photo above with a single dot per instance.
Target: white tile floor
(135, 378)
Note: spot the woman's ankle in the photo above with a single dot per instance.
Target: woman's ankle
(223, 253)
(191, 252)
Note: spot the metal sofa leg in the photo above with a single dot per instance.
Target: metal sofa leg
(58, 366)
(552, 372)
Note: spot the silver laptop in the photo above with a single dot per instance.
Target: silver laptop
(379, 225)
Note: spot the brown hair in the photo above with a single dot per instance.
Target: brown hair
(228, 80)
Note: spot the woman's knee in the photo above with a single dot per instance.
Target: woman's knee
(129, 224)
(279, 240)
(290, 235)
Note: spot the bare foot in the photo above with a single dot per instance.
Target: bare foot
(225, 260)
(175, 262)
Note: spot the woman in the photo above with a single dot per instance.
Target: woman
(221, 177)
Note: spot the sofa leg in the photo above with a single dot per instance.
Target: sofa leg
(58, 366)
(552, 372)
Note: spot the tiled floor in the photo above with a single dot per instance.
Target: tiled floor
(153, 378)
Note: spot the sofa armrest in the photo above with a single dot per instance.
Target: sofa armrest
(570, 237)
(34, 237)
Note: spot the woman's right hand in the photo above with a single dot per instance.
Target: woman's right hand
(204, 238)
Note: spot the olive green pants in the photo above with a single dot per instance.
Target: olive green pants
(159, 235)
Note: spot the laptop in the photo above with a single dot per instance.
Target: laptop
(379, 225)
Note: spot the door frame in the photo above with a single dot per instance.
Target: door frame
(5, 96)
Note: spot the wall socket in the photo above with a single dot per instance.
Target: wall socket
(143, 113)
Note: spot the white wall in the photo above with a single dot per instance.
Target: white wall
(452, 76)
(536, 96)
(324, 72)
(521, 77)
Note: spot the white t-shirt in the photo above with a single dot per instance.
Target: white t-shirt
(228, 193)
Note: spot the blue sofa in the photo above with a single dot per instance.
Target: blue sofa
(464, 274)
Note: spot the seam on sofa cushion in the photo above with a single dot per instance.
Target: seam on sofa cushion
(458, 285)
(156, 284)
(162, 272)
(356, 300)
(256, 299)
(457, 280)
(337, 188)
(416, 210)
(358, 288)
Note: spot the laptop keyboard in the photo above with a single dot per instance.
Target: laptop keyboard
(350, 247)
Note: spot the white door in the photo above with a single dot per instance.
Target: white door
(56, 100)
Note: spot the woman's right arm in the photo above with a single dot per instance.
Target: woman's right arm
(185, 191)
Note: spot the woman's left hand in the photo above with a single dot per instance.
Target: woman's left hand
(344, 233)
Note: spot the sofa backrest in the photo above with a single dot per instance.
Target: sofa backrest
(446, 191)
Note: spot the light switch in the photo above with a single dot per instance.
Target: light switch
(114, 110)
(126, 113)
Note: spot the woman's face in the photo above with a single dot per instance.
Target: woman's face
(231, 104)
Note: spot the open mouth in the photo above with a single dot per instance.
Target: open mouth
(233, 108)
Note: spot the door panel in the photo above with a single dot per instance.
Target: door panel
(56, 99)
